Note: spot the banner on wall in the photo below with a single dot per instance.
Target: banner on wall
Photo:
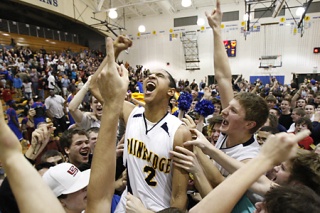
(253, 29)
(229, 27)
(173, 36)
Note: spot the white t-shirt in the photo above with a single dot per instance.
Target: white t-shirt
(55, 105)
(51, 81)
(27, 87)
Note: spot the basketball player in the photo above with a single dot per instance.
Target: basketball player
(151, 132)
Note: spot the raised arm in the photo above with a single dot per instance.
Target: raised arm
(32, 188)
(277, 149)
(101, 187)
(76, 113)
(120, 44)
(296, 96)
(222, 71)
(39, 140)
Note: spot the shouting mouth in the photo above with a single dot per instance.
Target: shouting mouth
(150, 87)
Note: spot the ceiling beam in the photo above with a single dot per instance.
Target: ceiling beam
(304, 14)
(100, 3)
(130, 5)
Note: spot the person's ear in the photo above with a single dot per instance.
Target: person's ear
(67, 150)
(250, 124)
(63, 203)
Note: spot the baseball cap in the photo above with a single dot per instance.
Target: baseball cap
(66, 178)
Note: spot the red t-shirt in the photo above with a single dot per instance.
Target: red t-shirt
(6, 94)
(305, 143)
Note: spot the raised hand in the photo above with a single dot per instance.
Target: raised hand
(215, 17)
(39, 140)
(113, 80)
(189, 122)
(200, 141)
(207, 93)
(282, 146)
(185, 159)
(121, 43)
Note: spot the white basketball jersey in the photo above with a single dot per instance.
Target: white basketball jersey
(146, 156)
(240, 152)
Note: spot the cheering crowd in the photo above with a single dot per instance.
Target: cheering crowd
(89, 144)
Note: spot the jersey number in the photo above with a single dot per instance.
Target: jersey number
(151, 173)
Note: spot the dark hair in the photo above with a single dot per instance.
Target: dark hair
(72, 88)
(299, 111)
(270, 129)
(62, 196)
(305, 120)
(93, 129)
(256, 108)
(293, 85)
(172, 83)
(288, 199)
(273, 120)
(278, 110)
(49, 154)
(216, 101)
(271, 98)
(66, 138)
(205, 130)
(43, 165)
(305, 169)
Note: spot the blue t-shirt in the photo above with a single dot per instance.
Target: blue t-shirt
(17, 83)
(244, 205)
(40, 116)
(71, 120)
(4, 74)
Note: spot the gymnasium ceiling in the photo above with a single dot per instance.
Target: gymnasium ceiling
(131, 9)
(139, 8)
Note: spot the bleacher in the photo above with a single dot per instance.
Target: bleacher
(37, 43)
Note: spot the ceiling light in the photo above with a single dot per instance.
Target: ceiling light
(142, 28)
(200, 22)
(113, 13)
(246, 17)
(300, 11)
(186, 3)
